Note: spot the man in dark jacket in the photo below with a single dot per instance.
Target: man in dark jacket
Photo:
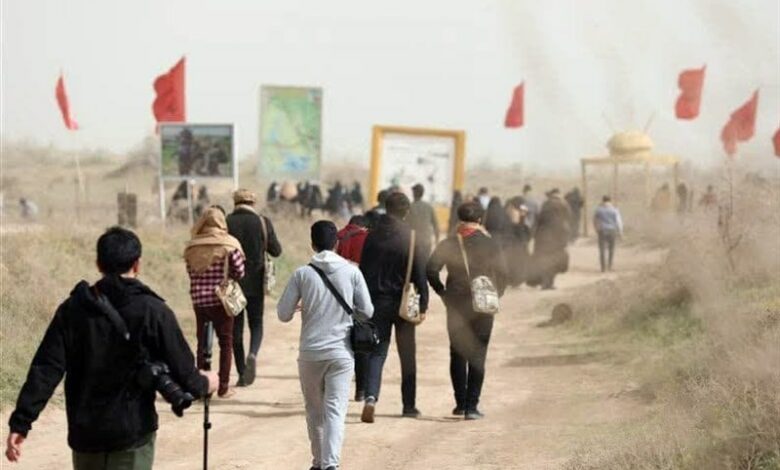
(257, 237)
(469, 331)
(384, 265)
(100, 349)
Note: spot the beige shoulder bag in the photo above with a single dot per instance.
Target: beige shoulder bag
(484, 295)
(410, 299)
(229, 292)
(269, 276)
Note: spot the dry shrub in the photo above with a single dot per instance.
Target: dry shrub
(705, 335)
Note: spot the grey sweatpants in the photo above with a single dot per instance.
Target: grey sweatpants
(325, 386)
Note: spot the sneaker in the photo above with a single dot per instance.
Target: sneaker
(360, 395)
(249, 372)
(473, 415)
(458, 411)
(410, 413)
(367, 416)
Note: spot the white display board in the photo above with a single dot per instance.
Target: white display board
(426, 159)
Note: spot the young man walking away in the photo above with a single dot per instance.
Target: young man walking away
(469, 331)
(609, 226)
(97, 340)
(384, 264)
(256, 234)
(325, 361)
(422, 219)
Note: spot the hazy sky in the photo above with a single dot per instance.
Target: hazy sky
(446, 64)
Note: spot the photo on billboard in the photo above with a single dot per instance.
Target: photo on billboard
(290, 132)
(197, 150)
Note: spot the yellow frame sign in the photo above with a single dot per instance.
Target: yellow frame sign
(459, 168)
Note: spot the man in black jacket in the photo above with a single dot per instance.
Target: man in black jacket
(257, 237)
(468, 330)
(384, 264)
(111, 416)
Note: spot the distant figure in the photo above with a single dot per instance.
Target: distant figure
(422, 219)
(516, 238)
(380, 201)
(457, 200)
(202, 202)
(682, 198)
(186, 152)
(483, 197)
(495, 217)
(662, 201)
(576, 202)
(709, 200)
(532, 205)
(28, 209)
(356, 197)
(469, 331)
(273, 193)
(550, 257)
(609, 226)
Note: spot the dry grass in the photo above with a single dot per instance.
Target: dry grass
(705, 340)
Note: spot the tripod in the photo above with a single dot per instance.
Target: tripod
(208, 343)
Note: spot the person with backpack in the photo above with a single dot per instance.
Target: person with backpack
(258, 239)
(467, 255)
(100, 339)
(327, 292)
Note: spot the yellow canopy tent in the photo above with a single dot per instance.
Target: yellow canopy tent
(627, 148)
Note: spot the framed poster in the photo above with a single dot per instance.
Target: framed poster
(404, 156)
(197, 151)
(290, 132)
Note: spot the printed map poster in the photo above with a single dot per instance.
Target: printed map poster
(290, 132)
(403, 157)
(197, 150)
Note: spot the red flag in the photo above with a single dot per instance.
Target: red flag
(62, 101)
(741, 125)
(169, 106)
(776, 142)
(690, 83)
(514, 115)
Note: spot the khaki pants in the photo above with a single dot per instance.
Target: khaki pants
(138, 458)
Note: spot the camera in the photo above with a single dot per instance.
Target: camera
(156, 376)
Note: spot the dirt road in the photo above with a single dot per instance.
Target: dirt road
(545, 392)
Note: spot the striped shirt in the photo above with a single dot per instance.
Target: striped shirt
(203, 285)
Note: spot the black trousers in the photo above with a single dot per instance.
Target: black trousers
(606, 248)
(469, 334)
(361, 370)
(405, 342)
(254, 314)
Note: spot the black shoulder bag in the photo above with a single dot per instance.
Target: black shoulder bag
(363, 335)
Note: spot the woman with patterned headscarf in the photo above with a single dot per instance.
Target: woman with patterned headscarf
(205, 255)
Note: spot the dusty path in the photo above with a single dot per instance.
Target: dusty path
(542, 396)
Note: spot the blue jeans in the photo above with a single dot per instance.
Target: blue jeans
(606, 248)
(404, 341)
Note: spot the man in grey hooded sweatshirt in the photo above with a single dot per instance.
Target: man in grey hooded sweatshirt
(325, 360)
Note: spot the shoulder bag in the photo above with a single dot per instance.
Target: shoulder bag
(229, 293)
(269, 271)
(484, 295)
(363, 336)
(410, 299)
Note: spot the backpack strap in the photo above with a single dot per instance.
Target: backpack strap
(333, 289)
(410, 261)
(264, 229)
